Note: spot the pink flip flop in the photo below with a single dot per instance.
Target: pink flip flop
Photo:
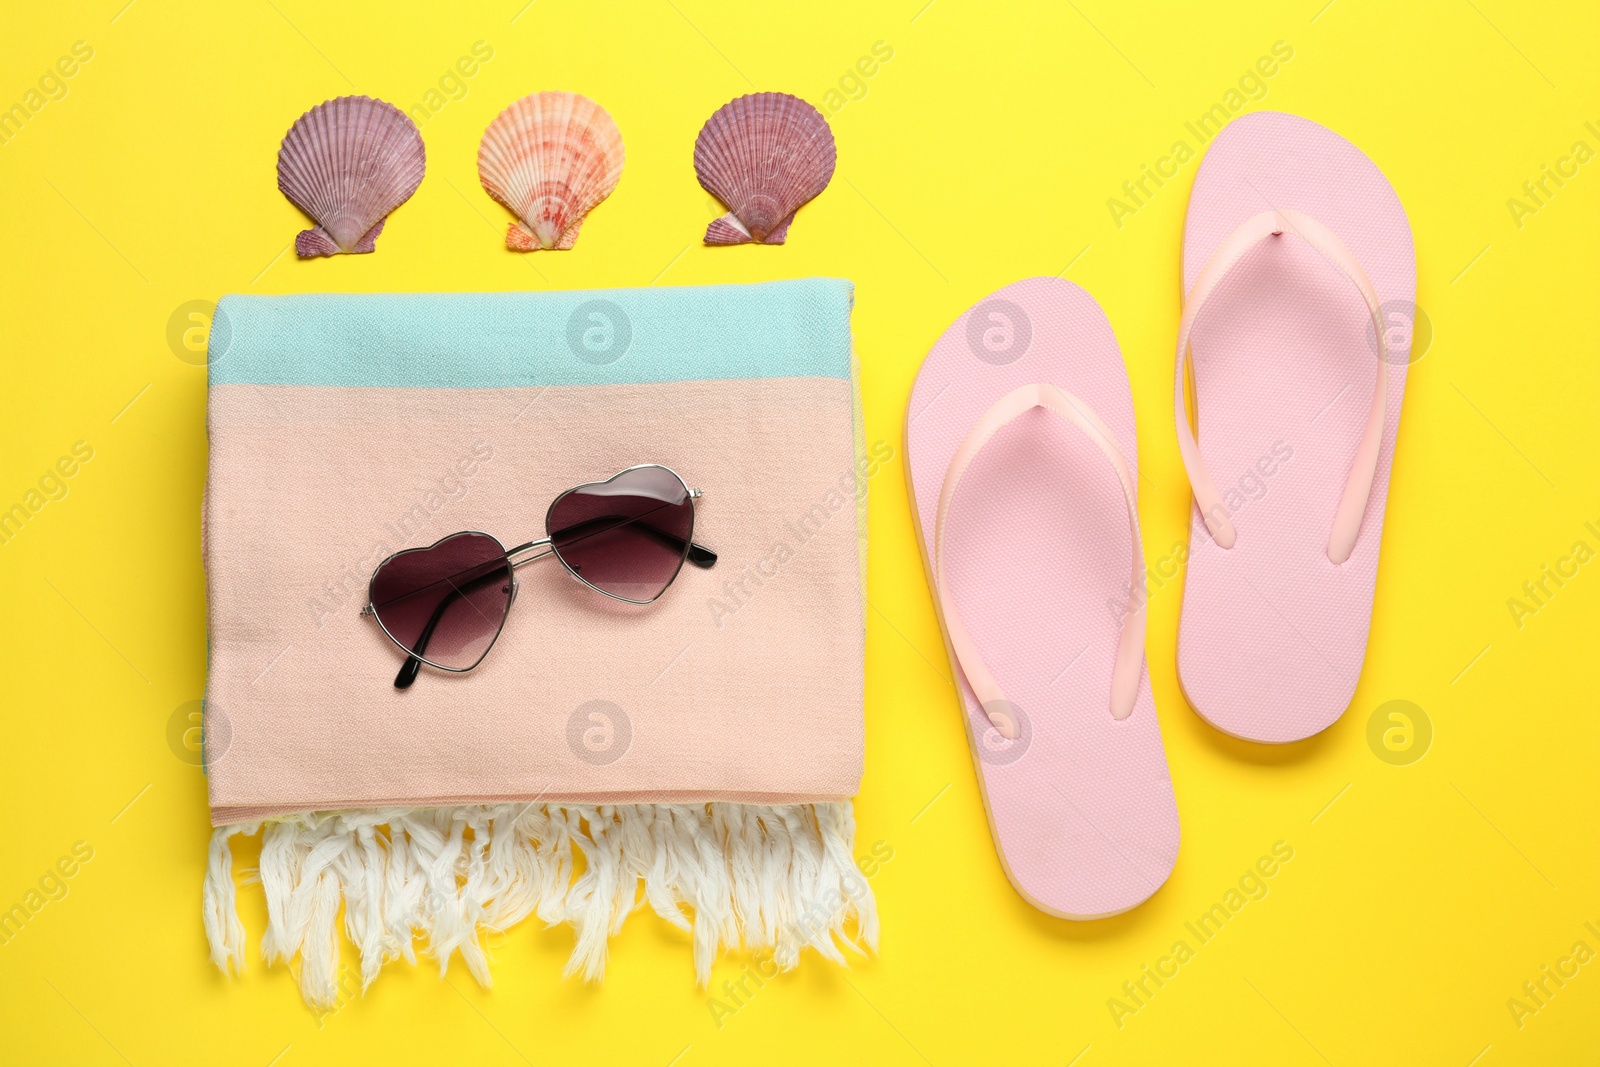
(1024, 468)
(1301, 280)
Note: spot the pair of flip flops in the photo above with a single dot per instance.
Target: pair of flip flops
(1024, 468)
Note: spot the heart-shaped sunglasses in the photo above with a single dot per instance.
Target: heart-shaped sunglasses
(626, 537)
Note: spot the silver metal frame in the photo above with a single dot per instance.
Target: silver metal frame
(547, 542)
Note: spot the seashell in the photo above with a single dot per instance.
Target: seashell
(763, 155)
(550, 158)
(347, 163)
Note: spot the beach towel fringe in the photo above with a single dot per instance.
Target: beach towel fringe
(769, 880)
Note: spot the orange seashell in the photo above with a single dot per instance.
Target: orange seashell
(550, 158)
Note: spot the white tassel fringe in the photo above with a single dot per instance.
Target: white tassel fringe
(764, 879)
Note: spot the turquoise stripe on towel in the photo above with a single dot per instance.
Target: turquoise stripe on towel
(615, 336)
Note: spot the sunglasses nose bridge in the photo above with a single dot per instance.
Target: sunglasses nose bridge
(527, 553)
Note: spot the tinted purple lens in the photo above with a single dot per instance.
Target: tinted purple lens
(445, 604)
(627, 536)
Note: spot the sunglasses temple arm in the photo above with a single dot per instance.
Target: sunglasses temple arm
(413, 663)
(698, 554)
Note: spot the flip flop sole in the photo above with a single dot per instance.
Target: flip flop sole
(1037, 557)
(1273, 635)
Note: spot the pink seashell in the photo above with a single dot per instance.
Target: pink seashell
(550, 158)
(763, 155)
(347, 163)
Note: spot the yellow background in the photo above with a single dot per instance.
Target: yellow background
(1420, 897)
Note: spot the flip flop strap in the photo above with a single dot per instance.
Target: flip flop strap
(1353, 503)
(1126, 670)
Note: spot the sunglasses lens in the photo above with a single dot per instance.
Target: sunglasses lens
(446, 603)
(627, 536)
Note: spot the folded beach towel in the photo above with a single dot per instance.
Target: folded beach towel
(699, 752)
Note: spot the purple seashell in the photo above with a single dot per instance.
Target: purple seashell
(347, 163)
(762, 155)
